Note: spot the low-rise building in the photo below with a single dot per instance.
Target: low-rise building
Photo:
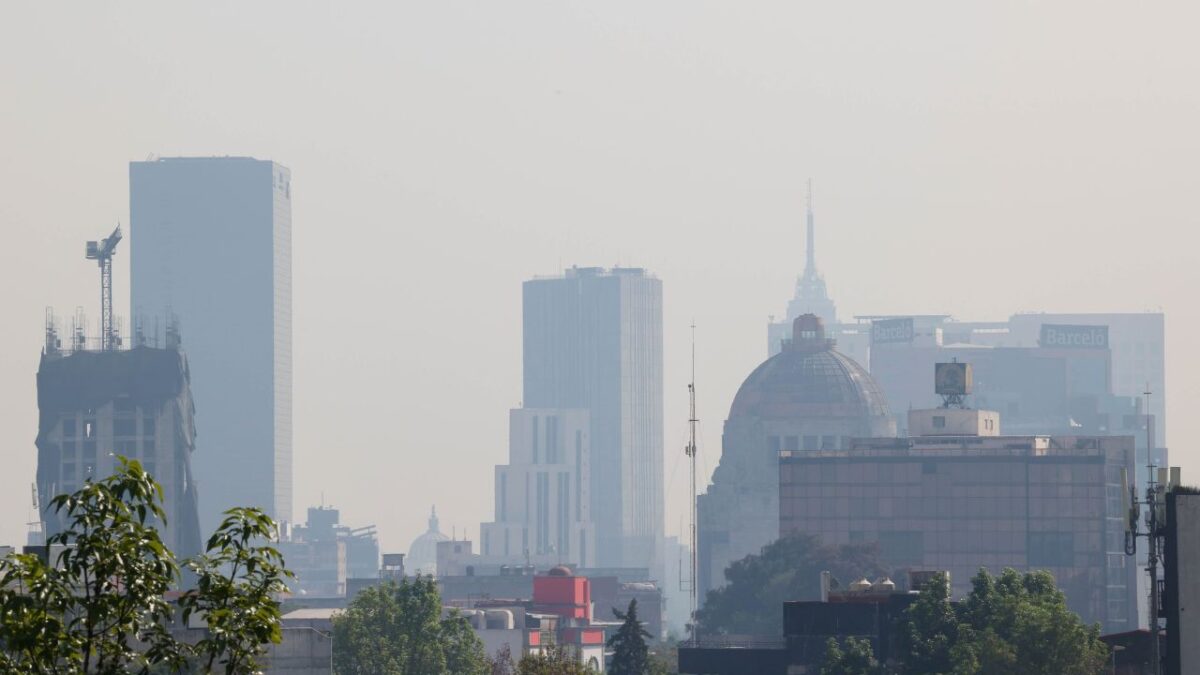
(864, 610)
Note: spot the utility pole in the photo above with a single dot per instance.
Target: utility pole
(1154, 501)
(691, 453)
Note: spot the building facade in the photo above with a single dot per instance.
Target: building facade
(807, 397)
(543, 495)
(324, 554)
(958, 503)
(593, 341)
(210, 242)
(94, 406)
(1046, 373)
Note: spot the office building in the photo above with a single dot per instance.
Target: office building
(962, 496)
(593, 341)
(210, 242)
(95, 405)
(323, 553)
(543, 501)
(810, 397)
(1181, 593)
(1046, 373)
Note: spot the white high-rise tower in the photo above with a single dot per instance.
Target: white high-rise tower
(210, 242)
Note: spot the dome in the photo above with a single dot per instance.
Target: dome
(560, 571)
(422, 553)
(809, 379)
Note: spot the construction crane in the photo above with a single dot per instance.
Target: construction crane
(102, 252)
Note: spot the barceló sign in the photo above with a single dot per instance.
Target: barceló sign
(1074, 337)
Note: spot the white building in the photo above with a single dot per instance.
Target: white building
(210, 242)
(593, 340)
(543, 505)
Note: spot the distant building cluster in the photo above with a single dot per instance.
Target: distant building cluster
(950, 445)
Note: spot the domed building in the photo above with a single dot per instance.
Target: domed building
(422, 553)
(807, 398)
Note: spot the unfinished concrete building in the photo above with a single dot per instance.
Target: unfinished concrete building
(98, 402)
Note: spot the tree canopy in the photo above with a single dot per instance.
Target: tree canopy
(855, 657)
(751, 602)
(552, 661)
(1015, 623)
(398, 629)
(100, 606)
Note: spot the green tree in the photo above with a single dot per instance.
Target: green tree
(631, 656)
(751, 602)
(1013, 624)
(100, 606)
(237, 580)
(501, 663)
(398, 629)
(552, 661)
(107, 591)
(930, 630)
(854, 658)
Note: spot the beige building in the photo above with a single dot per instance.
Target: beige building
(962, 502)
(543, 506)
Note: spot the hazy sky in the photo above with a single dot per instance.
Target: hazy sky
(971, 158)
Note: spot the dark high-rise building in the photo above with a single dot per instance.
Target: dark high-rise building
(807, 397)
(210, 242)
(593, 341)
(96, 405)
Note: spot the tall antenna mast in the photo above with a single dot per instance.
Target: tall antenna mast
(1152, 528)
(691, 453)
(1153, 520)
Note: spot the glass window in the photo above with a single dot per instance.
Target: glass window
(148, 425)
(811, 443)
(1051, 549)
(68, 427)
(124, 426)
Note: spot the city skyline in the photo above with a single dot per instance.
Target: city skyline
(702, 184)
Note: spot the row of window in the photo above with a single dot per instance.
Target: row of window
(122, 426)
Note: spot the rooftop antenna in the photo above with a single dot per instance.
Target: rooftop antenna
(102, 252)
(690, 451)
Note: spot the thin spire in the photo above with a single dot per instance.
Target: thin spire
(810, 266)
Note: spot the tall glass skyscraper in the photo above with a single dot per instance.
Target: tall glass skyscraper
(211, 244)
(593, 340)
